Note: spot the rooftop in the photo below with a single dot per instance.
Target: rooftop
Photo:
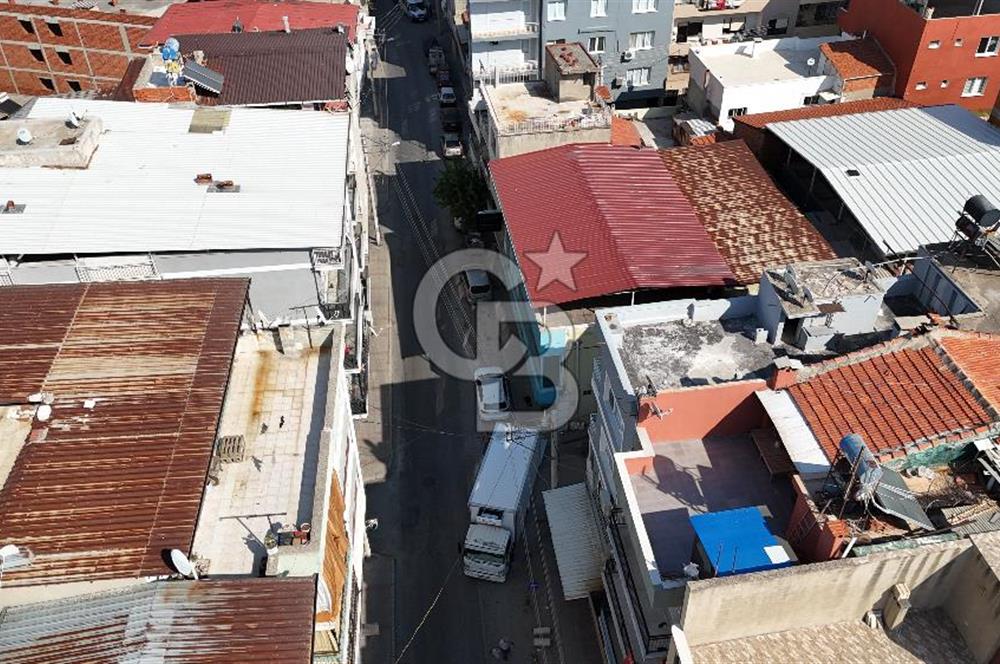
(698, 477)
(903, 174)
(221, 621)
(632, 227)
(61, 143)
(925, 636)
(139, 192)
(858, 58)
(750, 221)
(136, 374)
(804, 288)
(572, 59)
(218, 17)
(624, 132)
(273, 67)
(521, 108)
(761, 120)
(138, 13)
(954, 8)
(750, 63)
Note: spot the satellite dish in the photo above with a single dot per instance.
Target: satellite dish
(24, 136)
(73, 120)
(811, 61)
(44, 412)
(8, 551)
(181, 563)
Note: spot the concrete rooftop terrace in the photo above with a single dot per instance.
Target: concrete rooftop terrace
(513, 104)
(749, 63)
(700, 476)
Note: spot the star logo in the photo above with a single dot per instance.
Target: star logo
(556, 264)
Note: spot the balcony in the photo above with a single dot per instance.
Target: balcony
(527, 71)
(709, 8)
(506, 32)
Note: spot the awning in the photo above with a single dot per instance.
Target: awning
(576, 538)
(798, 438)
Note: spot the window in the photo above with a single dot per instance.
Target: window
(678, 64)
(556, 10)
(640, 41)
(598, 8)
(921, 85)
(54, 28)
(595, 45)
(731, 25)
(810, 100)
(944, 83)
(688, 32)
(974, 87)
(638, 76)
(736, 112)
(37, 54)
(934, 44)
(47, 82)
(65, 57)
(643, 6)
(74, 85)
(777, 26)
(988, 46)
(27, 25)
(959, 41)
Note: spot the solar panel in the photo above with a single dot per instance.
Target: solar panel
(203, 77)
(893, 497)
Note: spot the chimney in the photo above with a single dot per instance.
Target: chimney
(782, 378)
(284, 21)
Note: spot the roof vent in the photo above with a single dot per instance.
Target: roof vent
(203, 178)
(853, 173)
(237, 26)
(24, 136)
(284, 22)
(12, 208)
(224, 187)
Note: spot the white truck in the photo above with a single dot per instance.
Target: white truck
(499, 500)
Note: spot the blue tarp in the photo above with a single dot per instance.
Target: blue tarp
(738, 541)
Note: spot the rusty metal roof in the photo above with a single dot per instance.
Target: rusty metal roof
(224, 620)
(103, 491)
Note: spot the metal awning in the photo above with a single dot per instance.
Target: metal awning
(576, 538)
(794, 431)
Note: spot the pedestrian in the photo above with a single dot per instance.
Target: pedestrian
(281, 421)
(505, 647)
(263, 427)
(497, 654)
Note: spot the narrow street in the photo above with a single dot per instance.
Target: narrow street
(419, 445)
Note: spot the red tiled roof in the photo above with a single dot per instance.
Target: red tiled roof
(761, 120)
(858, 58)
(751, 222)
(895, 395)
(217, 16)
(624, 132)
(617, 209)
(978, 357)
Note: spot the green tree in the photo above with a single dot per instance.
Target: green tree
(461, 190)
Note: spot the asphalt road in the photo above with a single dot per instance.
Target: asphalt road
(427, 610)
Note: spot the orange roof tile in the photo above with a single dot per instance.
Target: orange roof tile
(624, 132)
(761, 120)
(978, 357)
(858, 58)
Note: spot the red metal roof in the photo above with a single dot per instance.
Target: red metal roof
(104, 489)
(218, 16)
(588, 220)
(898, 396)
(760, 120)
(208, 621)
(751, 222)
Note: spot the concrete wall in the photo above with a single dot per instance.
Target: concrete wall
(508, 146)
(702, 412)
(821, 593)
(615, 28)
(508, 53)
(973, 604)
(935, 289)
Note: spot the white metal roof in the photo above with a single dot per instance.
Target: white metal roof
(576, 539)
(509, 462)
(798, 439)
(917, 167)
(139, 195)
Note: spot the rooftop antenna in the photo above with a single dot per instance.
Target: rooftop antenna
(182, 564)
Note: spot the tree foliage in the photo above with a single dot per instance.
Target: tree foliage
(461, 190)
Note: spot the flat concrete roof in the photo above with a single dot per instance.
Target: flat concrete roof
(820, 282)
(515, 103)
(684, 353)
(51, 143)
(700, 476)
(750, 64)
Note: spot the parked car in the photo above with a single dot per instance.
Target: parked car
(443, 75)
(435, 59)
(416, 10)
(478, 283)
(446, 96)
(451, 145)
(492, 393)
(451, 120)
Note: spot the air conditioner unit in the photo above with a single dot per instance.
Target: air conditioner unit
(627, 56)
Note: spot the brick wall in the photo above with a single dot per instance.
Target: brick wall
(47, 50)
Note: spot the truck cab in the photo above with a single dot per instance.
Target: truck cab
(487, 552)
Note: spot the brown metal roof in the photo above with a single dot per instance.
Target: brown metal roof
(225, 621)
(761, 120)
(105, 490)
(750, 221)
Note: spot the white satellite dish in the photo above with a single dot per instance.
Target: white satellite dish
(811, 61)
(9, 551)
(73, 120)
(182, 564)
(24, 136)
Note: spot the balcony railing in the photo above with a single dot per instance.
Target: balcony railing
(523, 31)
(509, 74)
(593, 118)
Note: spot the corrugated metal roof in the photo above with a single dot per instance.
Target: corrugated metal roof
(106, 489)
(620, 217)
(761, 120)
(218, 16)
(139, 193)
(751, 222)
(798, 439)
(224, 621)
(916, 168)
(576, 539)
(275, 67)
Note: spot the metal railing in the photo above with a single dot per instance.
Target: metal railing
(510, 74)
(596, 118)
(514, 31)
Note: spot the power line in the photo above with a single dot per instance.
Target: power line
(427, 613)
